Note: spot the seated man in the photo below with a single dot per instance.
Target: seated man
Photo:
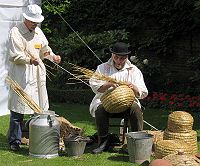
(121, 69)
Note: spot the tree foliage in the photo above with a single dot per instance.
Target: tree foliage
(146, 25)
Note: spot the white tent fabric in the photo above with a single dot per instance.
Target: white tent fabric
(10, 15)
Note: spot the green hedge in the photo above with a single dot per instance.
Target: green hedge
(81, 96)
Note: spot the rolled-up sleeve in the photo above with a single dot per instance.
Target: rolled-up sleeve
(139, 82)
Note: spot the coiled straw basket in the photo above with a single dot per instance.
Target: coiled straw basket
(190, 138)
(118, 100)
(166, 147)
(180, 122)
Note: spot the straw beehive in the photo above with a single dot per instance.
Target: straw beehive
(166, 147)
(118, 100)
(180, 122)
(179, 127)
(189, 137)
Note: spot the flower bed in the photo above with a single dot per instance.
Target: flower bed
(172, 101)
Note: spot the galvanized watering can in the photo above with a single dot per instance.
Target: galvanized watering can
(44, 134)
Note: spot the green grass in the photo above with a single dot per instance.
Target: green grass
(79, 116)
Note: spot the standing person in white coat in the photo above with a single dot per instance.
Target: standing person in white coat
(120, 68)
(28, 46)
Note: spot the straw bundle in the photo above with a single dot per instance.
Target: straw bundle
(190, 138)
(118, 100)
(166, 147)
(23, 95)
(182, 160)
(157, 135)
(87, 74)
(66, 128)
(180, 121)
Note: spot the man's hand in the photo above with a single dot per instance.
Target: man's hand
(106, 86)
(34, 61)
(57, 58)
(134, 88)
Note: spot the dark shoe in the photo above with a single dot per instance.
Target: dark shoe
(15, 147)
(103, 146)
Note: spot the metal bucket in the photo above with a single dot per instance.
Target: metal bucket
(75, 146)
(44, 134)
(139, 146)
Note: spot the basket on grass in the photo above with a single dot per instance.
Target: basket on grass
(182, 159)
(189, 137)
(180, 122)
(118, 100)
(166, 147)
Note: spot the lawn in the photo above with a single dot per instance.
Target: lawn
(79, 116)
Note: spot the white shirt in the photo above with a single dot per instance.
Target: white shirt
(129, 73)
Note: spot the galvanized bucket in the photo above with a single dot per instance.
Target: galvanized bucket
(44, 134)
(139, 146)
(75, 146)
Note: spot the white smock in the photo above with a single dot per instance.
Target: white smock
(129, 73)
(31, 78)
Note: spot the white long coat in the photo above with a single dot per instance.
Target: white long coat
(32, 79)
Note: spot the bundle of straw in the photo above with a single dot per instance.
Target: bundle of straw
(87, 74)
(23, 95)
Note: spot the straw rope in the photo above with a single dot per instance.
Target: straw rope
(23, 95)
(166, 147)
(180, 122)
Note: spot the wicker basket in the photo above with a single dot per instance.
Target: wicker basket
(182, 160)
(180, 122)
(190, 138)
(166, 147)
(118, 100)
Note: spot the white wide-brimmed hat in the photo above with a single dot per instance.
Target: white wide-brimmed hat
(33, 13)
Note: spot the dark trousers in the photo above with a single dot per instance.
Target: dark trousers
(15, 132)
(102, 120)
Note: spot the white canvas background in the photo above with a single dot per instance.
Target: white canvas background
(10, 14)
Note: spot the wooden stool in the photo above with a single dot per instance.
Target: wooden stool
(123, 127)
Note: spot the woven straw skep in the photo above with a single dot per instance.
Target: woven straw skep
(190, 138)
(180, 122)
(166, 147)
(118, 100)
